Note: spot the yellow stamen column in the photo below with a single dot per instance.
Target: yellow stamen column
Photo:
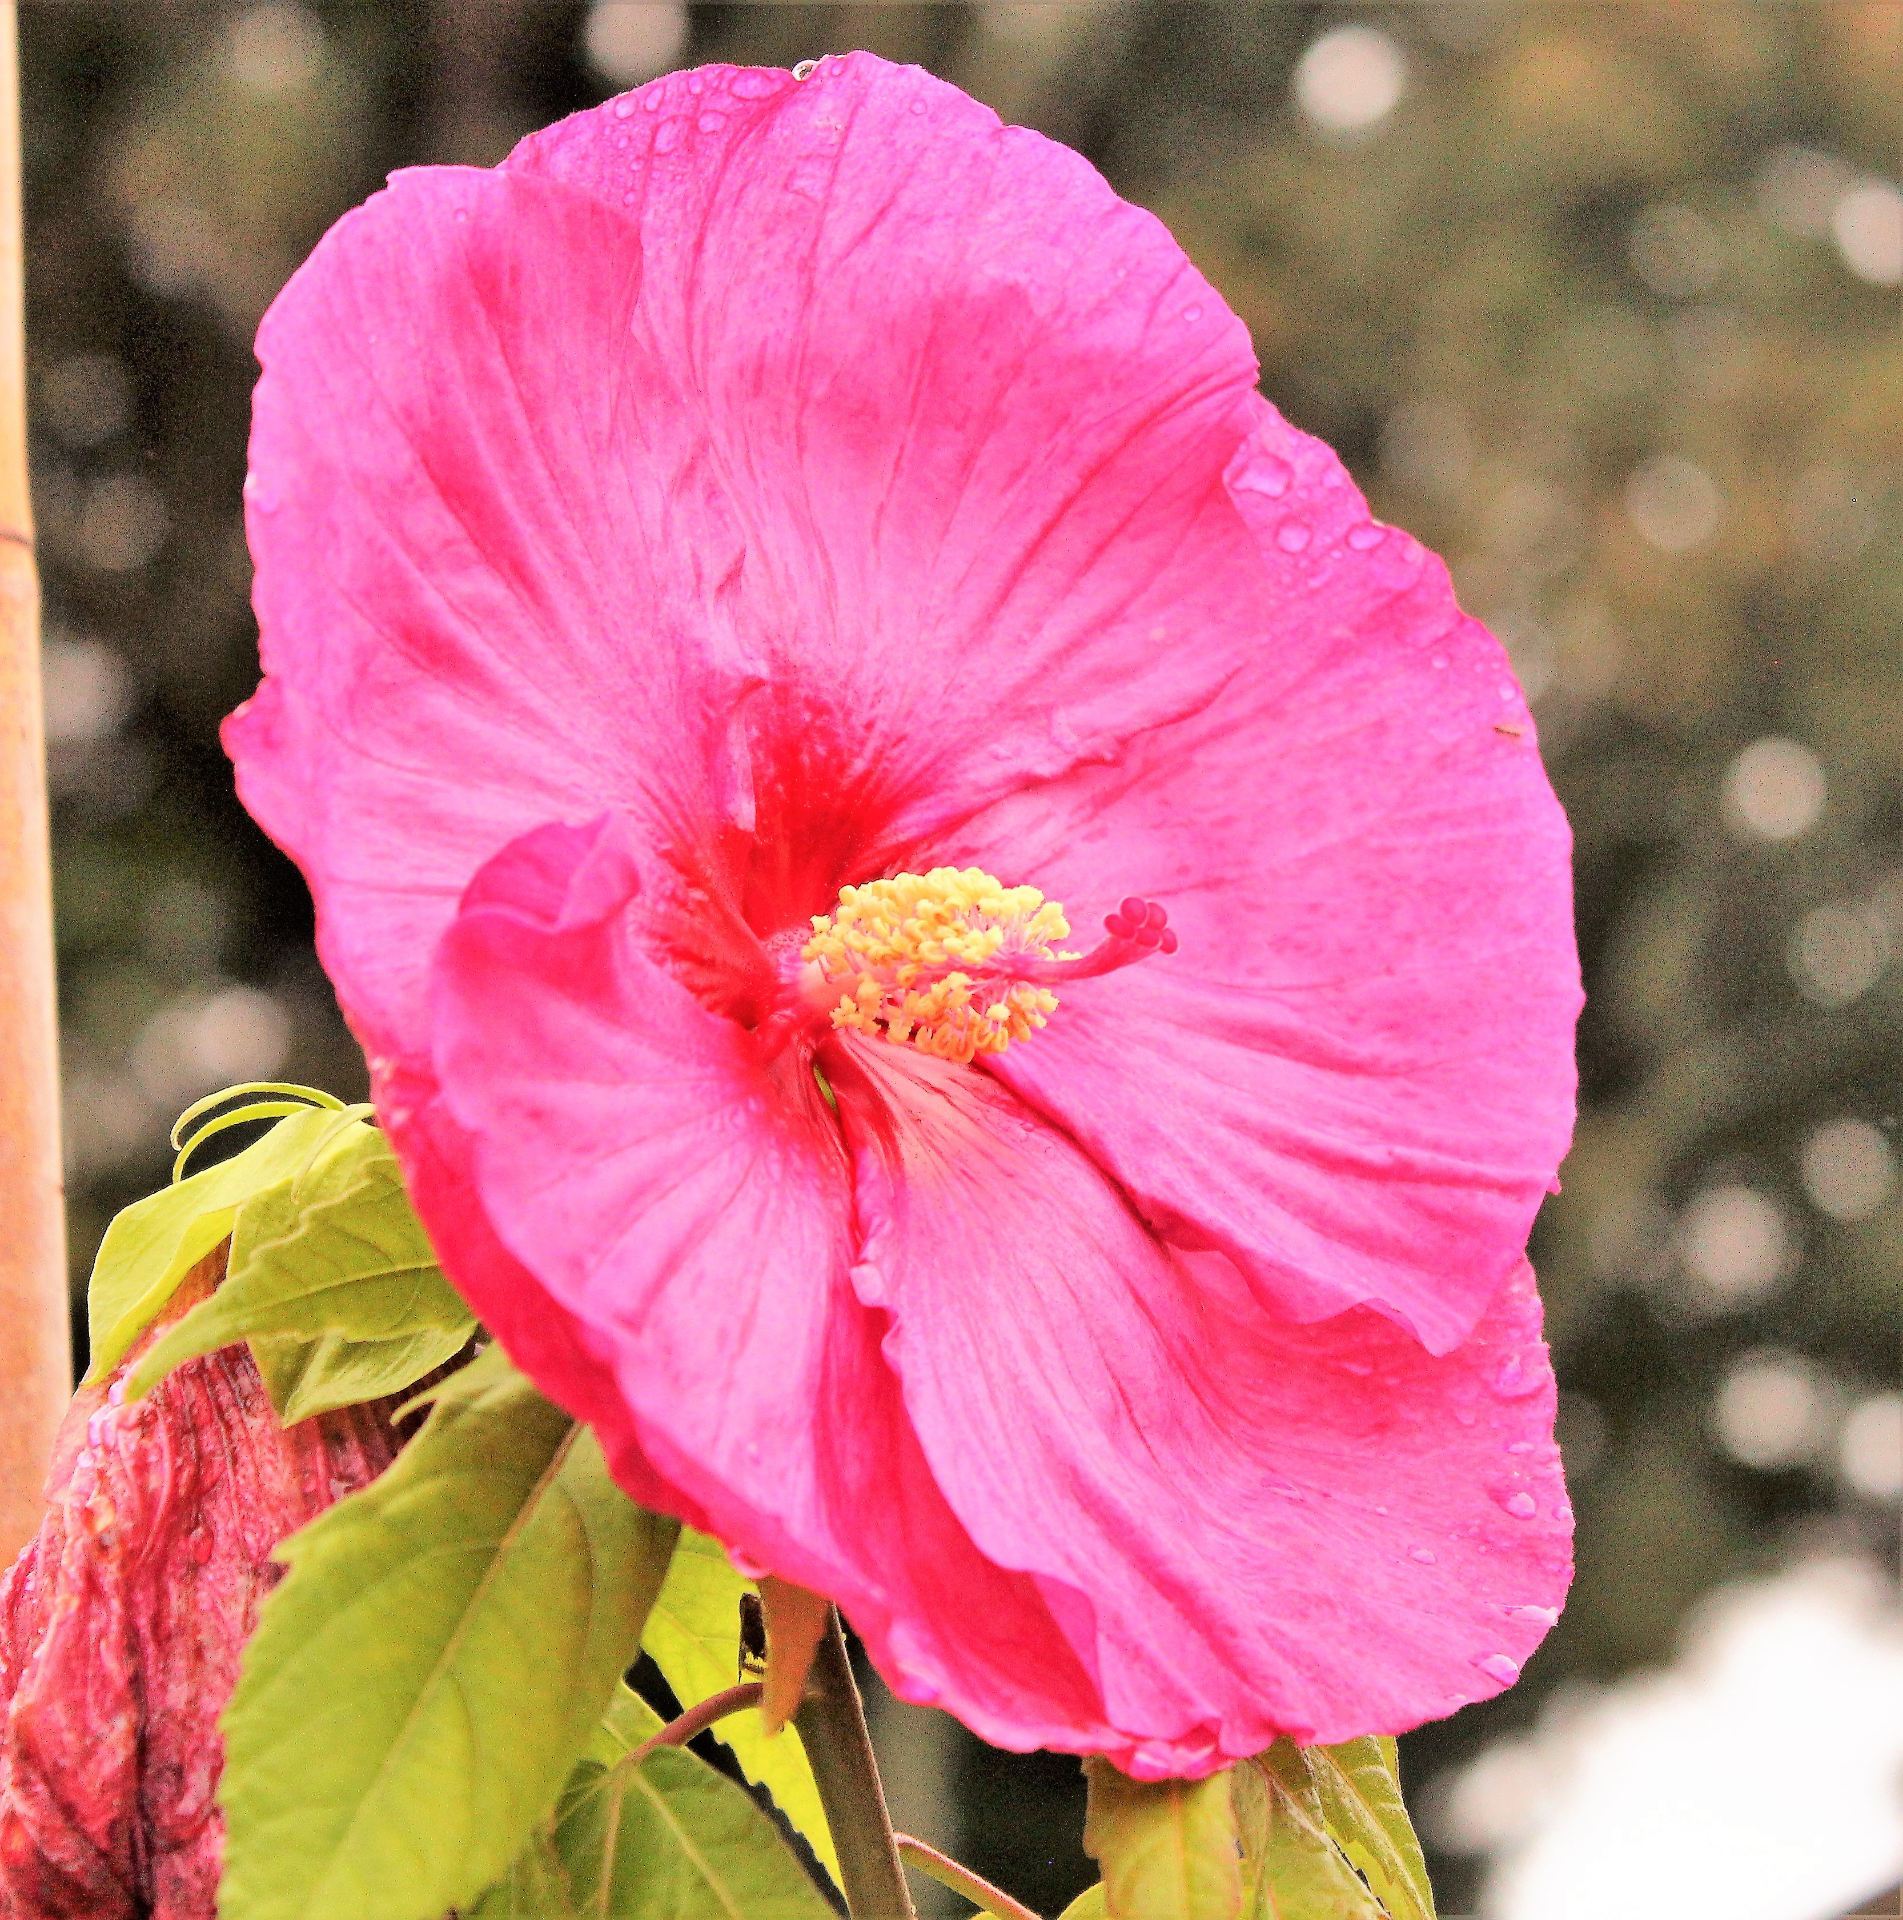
(926, 959)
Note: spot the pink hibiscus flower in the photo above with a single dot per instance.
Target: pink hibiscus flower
(726, 575)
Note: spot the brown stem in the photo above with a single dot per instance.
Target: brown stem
(697, 1719)
(35, 1354)
(960, 1878)
(832, 1728)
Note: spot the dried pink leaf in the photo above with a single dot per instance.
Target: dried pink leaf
(122, 1622)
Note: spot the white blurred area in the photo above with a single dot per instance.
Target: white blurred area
(1759, 1777)
(1774, 789)
(629, 41)
(1737, 1247)
(1816, 195)
(1349, 80)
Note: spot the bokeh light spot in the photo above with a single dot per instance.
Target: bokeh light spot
(1350, 79)
(1798, 186)
(1675, 250)
(274, 49)
(122, 523)
(87, 690)
(1870, 1447)
(85, 398)
(1774, 789)
(1736, 1245)
(1673, 502)
(1837, 953)
(1849, 1169)
(1867, 225)
(205, 1040)
(628, 41)
(1772, 1411)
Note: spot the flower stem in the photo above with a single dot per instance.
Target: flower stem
(960, 1878)
(698, 1718)
(832, 1728)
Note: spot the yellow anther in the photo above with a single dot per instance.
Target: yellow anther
(903, 954)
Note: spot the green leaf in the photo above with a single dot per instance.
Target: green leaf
(1168, 1848)
(665, 1838)
(535, 1888)
(1292, 1868)
(1087, 1906)
(333, 1255)
(1359, 1784)
(626, 1722)
(433, 1664)
(150, 1247)
(693, 1635)
(668, 1838)
(305, 1377)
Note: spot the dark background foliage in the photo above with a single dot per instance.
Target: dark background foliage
(1599, 300)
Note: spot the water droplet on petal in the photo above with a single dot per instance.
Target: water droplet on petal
(1425, 1555)
(1192, 313)
(1520, 1446)
(1519, 1503)
(1364, 539)
(1268, 475)
(1293, 535)
(711, 122)
(624, 106)
(1540, 1616)
(1496, 1666)
(1514, 1380)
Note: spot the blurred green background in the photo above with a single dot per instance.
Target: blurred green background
(1601, 301)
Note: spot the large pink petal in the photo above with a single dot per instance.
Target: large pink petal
(489, 568)
(790, 467)
(658, 1225)
(1355, 1075)
(972, 409)
(1321, 1531)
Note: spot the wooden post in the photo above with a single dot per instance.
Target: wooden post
(35, 1347)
